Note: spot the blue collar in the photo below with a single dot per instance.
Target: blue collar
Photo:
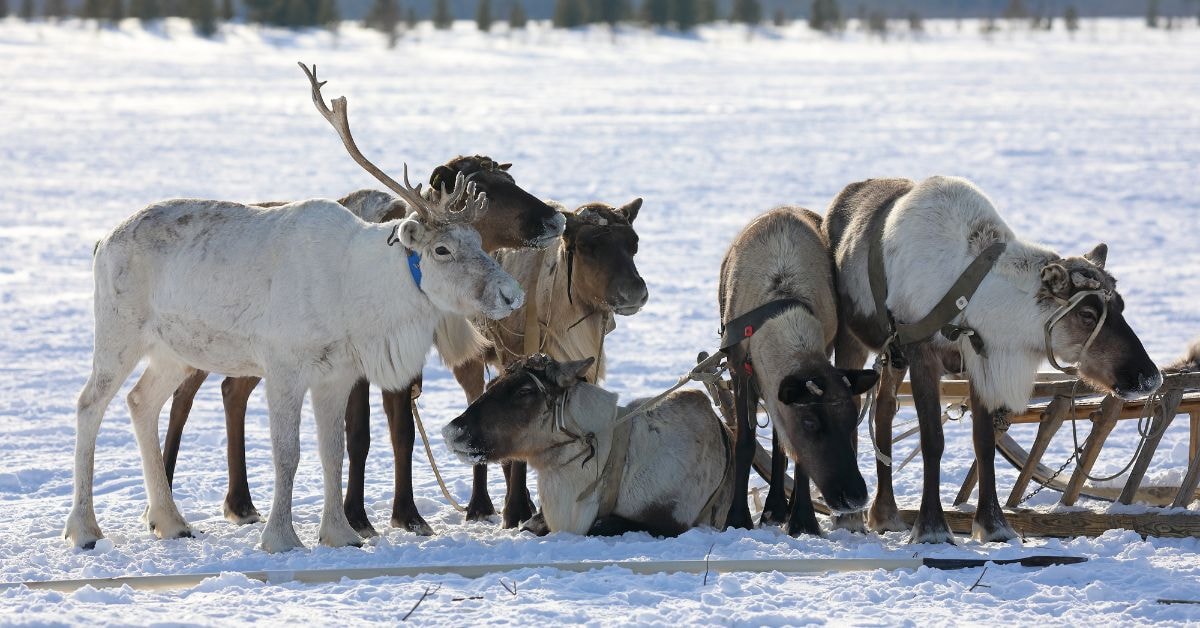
(414, 267)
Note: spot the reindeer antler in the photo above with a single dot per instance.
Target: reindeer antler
(473, 202)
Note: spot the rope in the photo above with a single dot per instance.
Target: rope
(432, 463)
(872, 401)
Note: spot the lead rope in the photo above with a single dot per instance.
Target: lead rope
(432, 463)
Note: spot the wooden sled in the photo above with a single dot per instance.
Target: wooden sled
(1056, 401)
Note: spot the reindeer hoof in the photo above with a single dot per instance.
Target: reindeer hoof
(240, 512)
(339, 535)
(82, 535)
(358, 520)
(514, 515)
(882, 519)
(851, 521)
(277, 539)
(773, 514)
(992, 530)
(740, 519)
(169, 526)
(480, 510)
(413, 523)
(537, 525)
(931, 529)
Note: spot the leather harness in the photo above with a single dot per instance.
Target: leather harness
(946, 310)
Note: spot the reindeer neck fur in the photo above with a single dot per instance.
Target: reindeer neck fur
(570, 329)
(561, 480)
(793, 341)
(390, 321)
(931, 236)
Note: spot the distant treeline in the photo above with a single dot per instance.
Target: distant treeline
(878, 17)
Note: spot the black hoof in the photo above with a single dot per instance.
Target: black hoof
(536, 525)
(795, 529)
(413, 522)
(90, 545)
(358, 520)
(241, 511)
(740, 519)
(513, 517)
(773, 517)
(480, 509)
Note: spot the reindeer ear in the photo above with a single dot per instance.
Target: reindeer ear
(1097, 255)
(567, 374)
(411, 233)
(793, 390)
(442, 175)
(630, 209)
(505, 166)
(860, 381)
(1056, 280)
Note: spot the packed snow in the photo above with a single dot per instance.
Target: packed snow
(1077, 140)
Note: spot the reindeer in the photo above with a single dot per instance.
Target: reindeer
(675, 470)
(306, 295)
(575, 286)
(1032, 304)
(777, 294)
(514, 218)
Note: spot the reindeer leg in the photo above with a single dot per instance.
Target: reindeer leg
(235, 392)
(802, 519)
(470, 377)
(849, 353)
(989, 523)
(883, 515)
(518, 505)
(181, 407)
(745, 401)
(776, 506)
(926, 373)
(398, 406)
(358, 444)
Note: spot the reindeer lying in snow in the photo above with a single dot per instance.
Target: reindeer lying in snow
(575, 286)
(1033, 304)
(781, 257)
(675, 472)
(515, 218)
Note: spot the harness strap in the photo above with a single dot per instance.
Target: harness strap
(532, 339)
(950, 306)
(614, 468)
(744, 326)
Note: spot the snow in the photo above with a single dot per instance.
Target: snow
(1081, 140)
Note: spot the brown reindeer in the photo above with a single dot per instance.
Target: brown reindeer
(782, 257)
(515, 219)
(574, 287)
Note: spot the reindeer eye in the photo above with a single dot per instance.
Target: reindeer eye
(443, 251)
(1087, 316)
(525, 391)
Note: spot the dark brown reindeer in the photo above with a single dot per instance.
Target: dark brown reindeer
(515, 219)
(573, 289)
(777, 301)
(1031, 305)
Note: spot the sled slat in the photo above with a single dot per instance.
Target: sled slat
(1101, 427)
(968, 485)
(1052, 419)
(1163, 416)
(1073, 524)
(1187, 490)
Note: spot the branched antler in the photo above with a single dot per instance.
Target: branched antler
(464, 204)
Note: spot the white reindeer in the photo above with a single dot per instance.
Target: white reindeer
(307, 295)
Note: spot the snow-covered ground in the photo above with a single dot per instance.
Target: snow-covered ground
(1096, 138)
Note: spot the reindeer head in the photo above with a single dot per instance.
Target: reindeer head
(818, 419)
(1086, 325)
(441, 246)
(515, 218)
(514, 419)
(601, 243)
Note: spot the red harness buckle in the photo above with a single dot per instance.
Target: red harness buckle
(749, 331)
